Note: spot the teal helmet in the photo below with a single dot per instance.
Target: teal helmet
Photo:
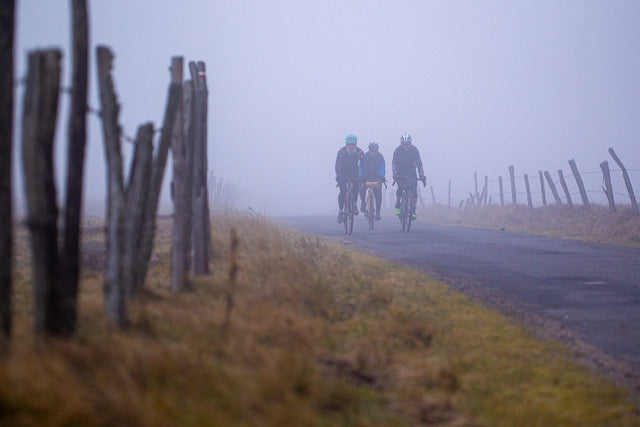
(351, 139)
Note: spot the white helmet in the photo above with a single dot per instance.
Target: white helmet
(405, 138)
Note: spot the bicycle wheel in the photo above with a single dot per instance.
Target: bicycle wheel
(405, 215)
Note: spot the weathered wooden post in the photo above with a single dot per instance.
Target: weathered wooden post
(7, 21)
(526, 183)
(576, 174)
(501, 191)
(433, 196)
(201, 234)
(627, 181)
(475, 181)
(114, 290)
(143, 255)
(552, 186)
(608, 188)
(38, 132)
(513, 185)
(544, 196)
(565, 188)
(77, 136)
(179, 232)
(485, 190)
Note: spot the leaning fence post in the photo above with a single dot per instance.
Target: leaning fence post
(544, 196)
(433, 196)
(608, 188)
(501, 191)
(552, 186)
(526, 184)
(513, 184)
(627, 181)
(576, 174)
(475, 181)
(565, 188)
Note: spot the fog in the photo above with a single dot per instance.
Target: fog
(479, 85)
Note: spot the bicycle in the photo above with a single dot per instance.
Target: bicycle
(370, 211)
(349, 206)
(406, 202)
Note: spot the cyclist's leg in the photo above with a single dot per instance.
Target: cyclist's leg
(414, 197)
(378, 196)
(362, 192)
(341, 197)
(398, 196)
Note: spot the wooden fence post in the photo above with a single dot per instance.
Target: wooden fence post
(576, 174)
(565, 188)
(627, 181)
(433, 196)
(513, 185)
(179, 232)
(486, 189)
(201, 234)
(114, 291)
(38, 131)
(143, 255)
(552, 186)
(77, 137)
(544, 196)
(7, 23)
(501, 191)
(526, 184)
(608, 188)
(475, 181)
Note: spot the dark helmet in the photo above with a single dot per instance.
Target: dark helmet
(373, 146)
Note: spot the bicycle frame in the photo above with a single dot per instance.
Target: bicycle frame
(405, 204)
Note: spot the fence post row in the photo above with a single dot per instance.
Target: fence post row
(565, 188)
(627, 181)
(608, 188)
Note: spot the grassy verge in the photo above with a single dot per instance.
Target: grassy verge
(597, 224)
(317, 335)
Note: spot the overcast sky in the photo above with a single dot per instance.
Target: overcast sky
(480, 85)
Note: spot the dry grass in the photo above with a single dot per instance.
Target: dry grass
(597, 224)
(317, 335)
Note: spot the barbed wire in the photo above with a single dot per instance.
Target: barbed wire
(68, 90)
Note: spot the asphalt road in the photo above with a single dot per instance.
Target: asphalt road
(584, 295)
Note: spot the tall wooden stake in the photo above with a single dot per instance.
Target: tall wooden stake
(513, 185)
(7, 20)
(565, 188)
(526, 183)
(576, 174)
(544, 196)
(627, 181)
(552, 186)
(608, 188)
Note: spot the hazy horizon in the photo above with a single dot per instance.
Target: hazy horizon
(479, 85)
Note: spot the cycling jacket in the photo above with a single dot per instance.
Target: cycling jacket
(373, 166)
(348, 163)
(406, 159)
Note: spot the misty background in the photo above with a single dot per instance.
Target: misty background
(479, 85)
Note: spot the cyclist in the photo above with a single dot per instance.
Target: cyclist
(373, 169)
(406, 159)
(348, 167)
